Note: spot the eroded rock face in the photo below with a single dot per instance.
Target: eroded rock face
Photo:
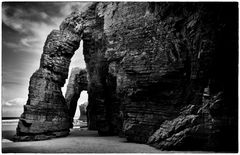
(46, 113)
(148, 65)
(83, 111)
(162, 55)
(150, 57)
(196, 128)
(77, 83)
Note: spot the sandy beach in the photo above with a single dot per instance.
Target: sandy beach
(79, 141)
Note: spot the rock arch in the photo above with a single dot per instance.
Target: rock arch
(46, 113)
(148, 65)
(76, 84)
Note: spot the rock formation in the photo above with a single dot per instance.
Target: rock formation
(46, 114)
(148, 65)
(196, 128)
(163, 55)
(76, 84)
(83, 111)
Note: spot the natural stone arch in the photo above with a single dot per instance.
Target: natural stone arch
(155, 69)
(46, 113)
(76, 84)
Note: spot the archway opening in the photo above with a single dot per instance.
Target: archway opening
(78, 100)
(80, 117)
(77, 60)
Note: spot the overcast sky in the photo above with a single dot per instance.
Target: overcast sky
(25, 26)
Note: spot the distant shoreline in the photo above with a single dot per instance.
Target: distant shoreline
(9, 118)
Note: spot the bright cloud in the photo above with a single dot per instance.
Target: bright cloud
(74, 6)
(17, 102)
(35, 25)
(34, 33)
(13, 108)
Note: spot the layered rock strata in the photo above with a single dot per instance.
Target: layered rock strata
(163, 55)
(196, 128)
(147, 62)
(76, 84)
(46, 113)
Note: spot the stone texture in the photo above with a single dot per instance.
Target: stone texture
(162, 56)
(46, 114)
(149, 66)
(76, 84)
(196, 128)
(83, 111)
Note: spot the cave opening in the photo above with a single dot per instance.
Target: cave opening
(75, 90)
(80, 116)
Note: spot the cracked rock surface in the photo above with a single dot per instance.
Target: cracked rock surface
(155, 72)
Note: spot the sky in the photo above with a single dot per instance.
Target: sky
(25, 26)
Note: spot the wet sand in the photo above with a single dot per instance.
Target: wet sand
(79, 141)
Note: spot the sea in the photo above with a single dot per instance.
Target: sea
(9, 123)
(9, 126)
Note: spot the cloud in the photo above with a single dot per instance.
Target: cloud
(34, 24)
(34, 32)
(25, 29)
(14, 77)
(13, 107)
(74, 6)
(17, 102)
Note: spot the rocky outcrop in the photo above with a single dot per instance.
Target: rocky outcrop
(194, 129)
(76, 84)
(162, 56)
(83, 111)
(46, 114)
(153, 62)
(148, 65)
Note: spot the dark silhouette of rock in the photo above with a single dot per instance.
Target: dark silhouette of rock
(83, 111)
(195, 128)
(77, 83)
(149, 66)
(163, 55)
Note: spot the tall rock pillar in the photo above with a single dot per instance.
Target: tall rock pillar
(46, 113)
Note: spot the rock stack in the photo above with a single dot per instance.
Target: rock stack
(46, 113)
(148, 65)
